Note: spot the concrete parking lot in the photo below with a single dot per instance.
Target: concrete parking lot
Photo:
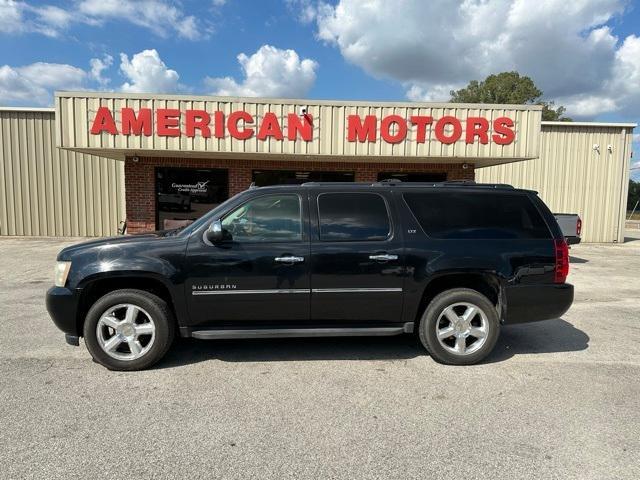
(557, 399)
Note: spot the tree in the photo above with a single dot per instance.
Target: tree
(508, 88)
(634, 195)
(551, 114)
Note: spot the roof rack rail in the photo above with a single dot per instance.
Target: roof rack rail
(473, 183)
(316, 184)
(387, 182)
(394, 182)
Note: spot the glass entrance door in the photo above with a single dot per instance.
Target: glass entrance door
(185, 194)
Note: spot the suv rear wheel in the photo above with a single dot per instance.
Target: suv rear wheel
(459, 327)
(128, 329)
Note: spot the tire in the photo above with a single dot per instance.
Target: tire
(129, 330)
(466, 337)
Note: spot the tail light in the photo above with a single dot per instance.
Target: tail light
(578, 227)
(562, 260)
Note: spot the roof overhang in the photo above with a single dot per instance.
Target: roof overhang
(122, 155)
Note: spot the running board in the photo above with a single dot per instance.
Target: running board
(301, 332)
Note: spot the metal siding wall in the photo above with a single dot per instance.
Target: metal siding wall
(52, 192)
(77, 112)
(571, 177)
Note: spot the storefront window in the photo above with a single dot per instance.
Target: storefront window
(185, 194)
(263, 178)
(413, 176)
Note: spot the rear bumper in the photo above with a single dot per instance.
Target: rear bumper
(62, 305)
(572, 240)
(531, 303)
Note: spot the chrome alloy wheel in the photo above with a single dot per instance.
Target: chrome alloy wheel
(125, 332)
(462, 328)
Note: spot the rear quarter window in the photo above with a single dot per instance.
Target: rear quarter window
(476, 215)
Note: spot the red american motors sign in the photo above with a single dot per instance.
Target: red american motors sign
(242, 125)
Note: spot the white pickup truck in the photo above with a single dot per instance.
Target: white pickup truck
(571, 225)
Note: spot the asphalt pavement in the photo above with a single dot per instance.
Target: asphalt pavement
(557, 399)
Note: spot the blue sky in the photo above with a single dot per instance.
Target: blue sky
(584, 55)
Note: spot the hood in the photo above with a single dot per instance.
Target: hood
(108, 242)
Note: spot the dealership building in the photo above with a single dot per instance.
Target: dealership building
(159, 161)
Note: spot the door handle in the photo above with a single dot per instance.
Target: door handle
(289, 259)
(383, 257)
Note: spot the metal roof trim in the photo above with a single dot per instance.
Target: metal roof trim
(295, 101)
(27, 109)
(589, 124)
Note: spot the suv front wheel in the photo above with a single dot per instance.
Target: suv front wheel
(459, 327)
(128, 329)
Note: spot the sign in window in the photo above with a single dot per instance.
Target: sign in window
(185, 194)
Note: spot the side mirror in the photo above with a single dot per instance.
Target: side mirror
(215, 233)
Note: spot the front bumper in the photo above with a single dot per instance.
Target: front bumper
(531, 303)
(62, 305)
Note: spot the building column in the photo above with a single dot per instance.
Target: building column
(366, 175)
(139, 187)
(240, 178)
(462, 173)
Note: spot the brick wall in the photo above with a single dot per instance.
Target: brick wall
(140, 178)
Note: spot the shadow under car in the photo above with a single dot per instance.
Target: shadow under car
(547, 336)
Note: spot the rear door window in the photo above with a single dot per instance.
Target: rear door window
(353, 217)
(476, 215)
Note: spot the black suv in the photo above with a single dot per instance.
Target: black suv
(450, 262)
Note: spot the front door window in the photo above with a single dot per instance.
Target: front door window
(260, 272)
(270, 218)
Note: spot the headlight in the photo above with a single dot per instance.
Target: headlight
(62, 270)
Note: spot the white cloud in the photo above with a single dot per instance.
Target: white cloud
(620, 87)
(54, 17)
(159, 16)
(99, 65)
(33, 84)
(54, 75)
(11, 20)
(269, 72)
(436, 93)
(432, 47)
(305, 11)
(49, 20)
(588, 106)
(147, 73)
